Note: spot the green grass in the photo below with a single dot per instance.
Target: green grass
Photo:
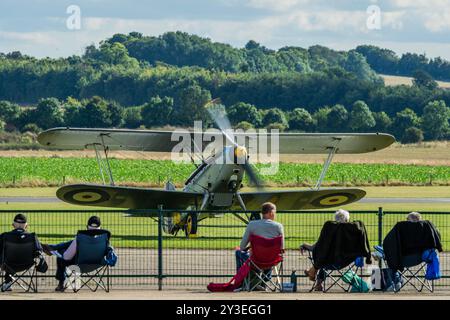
(55, 171)
(372, 192)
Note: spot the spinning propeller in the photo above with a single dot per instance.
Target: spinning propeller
(219, 115)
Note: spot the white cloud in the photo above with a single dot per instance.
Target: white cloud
(276, 5)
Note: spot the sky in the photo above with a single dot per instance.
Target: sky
(60, 28)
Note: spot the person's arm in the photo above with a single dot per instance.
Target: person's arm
(71, 251)
(38, 244)
(245, 238)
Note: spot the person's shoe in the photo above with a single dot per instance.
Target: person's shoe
(60, 287)
(47, 249)
(6, 286)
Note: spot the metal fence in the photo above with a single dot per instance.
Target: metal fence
(151, 259)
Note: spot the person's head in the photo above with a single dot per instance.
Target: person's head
(93, 223)
(269, 211)
(342, 216)
(414, 217)
(20, 221)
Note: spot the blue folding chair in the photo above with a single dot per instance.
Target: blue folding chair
(91, 266)
(417, 275)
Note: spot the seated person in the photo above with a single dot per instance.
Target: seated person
(327, 254)
(67, 251)
(20, 226)
(266, 227)
(404, 245)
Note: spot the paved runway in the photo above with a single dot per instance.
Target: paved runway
(184, 295)
(364, 200)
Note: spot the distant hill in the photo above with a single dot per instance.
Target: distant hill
(182, 49)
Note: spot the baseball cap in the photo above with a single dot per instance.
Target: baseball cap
(20, 218)
(94, 222)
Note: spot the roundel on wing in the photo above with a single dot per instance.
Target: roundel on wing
(331, 200)
(86, 196)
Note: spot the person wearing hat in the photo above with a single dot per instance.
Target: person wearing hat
(20, 226)
(66, 252)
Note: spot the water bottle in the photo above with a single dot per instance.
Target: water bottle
(294, 281)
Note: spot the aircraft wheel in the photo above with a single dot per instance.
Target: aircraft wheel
(190, 228)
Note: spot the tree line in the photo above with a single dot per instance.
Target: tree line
(134, 80)
(388, 62)
(158, 112)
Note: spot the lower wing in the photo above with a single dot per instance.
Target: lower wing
(126, 197)
(302, 199)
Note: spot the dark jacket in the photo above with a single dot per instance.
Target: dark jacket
(340, 244)
(409, 238)
(19, 231)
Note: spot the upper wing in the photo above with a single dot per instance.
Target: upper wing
(165, 141)
(81, 138)
(302, 199)
(126, 197)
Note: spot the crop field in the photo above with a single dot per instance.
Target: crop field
(390, 80)
(33, 171)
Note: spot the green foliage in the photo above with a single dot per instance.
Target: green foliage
(9, 111)
(157, 112)
(52, 170)
(96, 113)
(244, 112)
(321, 118)
(435, 120)
(190, 106)
(131, 70)
(301, 120)
(244, 125)
(361, 118)
(337, 119)
(424, 80)
(404, 120)
(273, 116)
(48, 113)
(382, 121)
(412, 135)
(132, 117)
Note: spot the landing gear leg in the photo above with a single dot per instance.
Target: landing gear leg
(190, 227)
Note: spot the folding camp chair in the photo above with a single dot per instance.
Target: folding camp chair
(266, 263)
(345, 277)
(90, 268)
(414, 277)
(19, 260)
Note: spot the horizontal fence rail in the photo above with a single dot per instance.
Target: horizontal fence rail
(152, 259)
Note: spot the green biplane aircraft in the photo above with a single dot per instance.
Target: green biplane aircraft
(216, 183)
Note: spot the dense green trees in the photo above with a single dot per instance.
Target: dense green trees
(135, 80)
(157, 112)
(361, 118)
(387, 62)
(435, 120)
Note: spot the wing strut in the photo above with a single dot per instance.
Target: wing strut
(103, 162)
(331, 153)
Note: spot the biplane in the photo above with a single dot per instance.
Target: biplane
(215, 184)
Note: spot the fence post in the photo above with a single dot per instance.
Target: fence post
(160, 251)
(380, 230)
